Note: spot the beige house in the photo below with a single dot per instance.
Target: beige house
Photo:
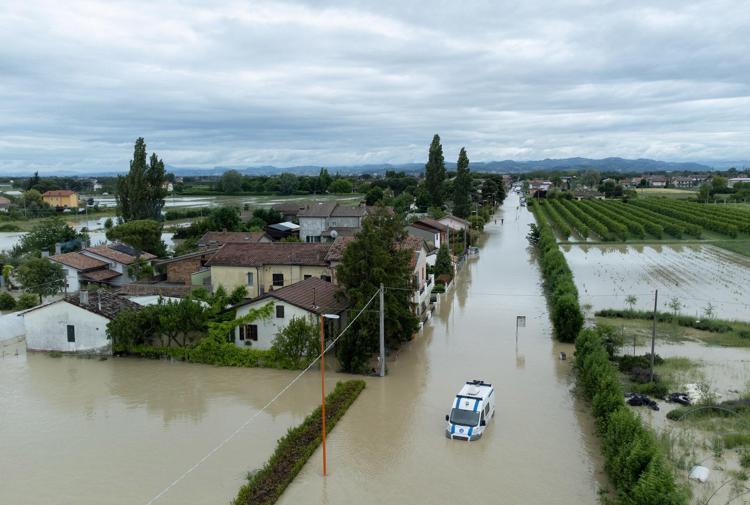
(261, 268)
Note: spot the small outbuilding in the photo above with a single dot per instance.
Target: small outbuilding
(76, 324)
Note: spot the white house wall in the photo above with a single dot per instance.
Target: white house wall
(268, 328)
(46, 329)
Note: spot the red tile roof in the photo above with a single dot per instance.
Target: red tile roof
(79, 261)
(336, 252)
(276, 253)
(313, 294)
(120, 257)
(59, 192)
(102, 275)
(213, 238)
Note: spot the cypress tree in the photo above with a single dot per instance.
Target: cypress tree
(435, 172)
(462, 187)
(140, 194)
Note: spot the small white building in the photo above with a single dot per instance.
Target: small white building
(455, 223)
(308, 298)
(81, 269)
(423, 282)
(119, 257)
(75, 323)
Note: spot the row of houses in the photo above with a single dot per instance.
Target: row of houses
(299, 278)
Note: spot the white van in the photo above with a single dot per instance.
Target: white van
(473, 406)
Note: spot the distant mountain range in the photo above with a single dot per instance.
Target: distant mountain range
(506, 166)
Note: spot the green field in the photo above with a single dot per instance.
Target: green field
(649, 220)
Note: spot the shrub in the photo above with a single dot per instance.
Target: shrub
(26, 301)
(7, 302)
(296, 447)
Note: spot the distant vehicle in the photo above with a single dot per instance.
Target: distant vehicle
(473, 406)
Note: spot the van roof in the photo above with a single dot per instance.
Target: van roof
(476, 389)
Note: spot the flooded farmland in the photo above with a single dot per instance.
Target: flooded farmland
(695, 274)
(79, 430)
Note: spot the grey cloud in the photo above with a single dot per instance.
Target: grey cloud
(232, 83)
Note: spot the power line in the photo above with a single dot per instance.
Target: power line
(256, 414)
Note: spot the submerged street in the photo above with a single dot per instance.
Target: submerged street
(74, 430)
(539, 448)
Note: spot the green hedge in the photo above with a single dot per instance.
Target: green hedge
(295, 448)
(632, 458)
(705, 324)
(562, 295)
(210, 352)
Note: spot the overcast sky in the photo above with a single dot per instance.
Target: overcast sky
(333, 83)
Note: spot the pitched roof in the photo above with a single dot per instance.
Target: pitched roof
(59, 192)
(214, 238)
(79, 261)
(349, 211)
(4, 201)
(317, 209)
(275, 253)
(102, 275)
(289, 208)
(336, 252)
(103, 303)
(455, 218)
(312, 294)
(204, 253)
(414, 244)
(109, 252)
(433, 223)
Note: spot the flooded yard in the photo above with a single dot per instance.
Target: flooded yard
(697, 275)
(119, 431)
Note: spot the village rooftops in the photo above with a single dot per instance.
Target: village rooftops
(336, 251)
(120, 253)
(217, 238)
(79, 261)
(313, 294)
(415, 244)
(59, 192)
(276, 253)
(332, 209)
(428, 223)
(101, 302)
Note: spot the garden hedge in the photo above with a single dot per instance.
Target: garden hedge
(295, 448)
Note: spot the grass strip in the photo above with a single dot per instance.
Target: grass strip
(295, 448)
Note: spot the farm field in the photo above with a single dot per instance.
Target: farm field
(649, 220)
(695, 274)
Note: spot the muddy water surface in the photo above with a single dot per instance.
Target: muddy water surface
(391, 448)
(79, 431)
(694, 274)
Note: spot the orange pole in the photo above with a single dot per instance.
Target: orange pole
(323, 390)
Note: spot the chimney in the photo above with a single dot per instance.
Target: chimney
(83, 297)
(45, 253)
(58, 248)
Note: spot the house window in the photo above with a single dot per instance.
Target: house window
(278, 280)
(280, 311)
(326, 278)
(250, 279)
(71, 333)
(249, 332)
(306, 276)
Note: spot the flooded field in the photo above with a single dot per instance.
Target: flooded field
(694, 274)
(119, 431)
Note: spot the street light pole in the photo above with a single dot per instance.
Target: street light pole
(323, 383)
(323, 390)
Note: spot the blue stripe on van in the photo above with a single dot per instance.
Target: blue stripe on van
(470, 430)
(476, 404)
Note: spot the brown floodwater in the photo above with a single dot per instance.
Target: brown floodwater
(390, 447)
(696, 274)
(119, 431)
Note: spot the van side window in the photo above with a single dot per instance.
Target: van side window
(486, 409)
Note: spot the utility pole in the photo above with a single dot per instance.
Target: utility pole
(382, 331)
(653, 335)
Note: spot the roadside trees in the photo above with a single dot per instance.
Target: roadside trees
(140, 194)
(372, 258)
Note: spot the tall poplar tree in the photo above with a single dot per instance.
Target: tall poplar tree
(434, 172)
(462, 186)
(140, 194)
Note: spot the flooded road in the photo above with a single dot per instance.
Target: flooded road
(694, 274)
(84, 432)
(77, 431)
(391, 448)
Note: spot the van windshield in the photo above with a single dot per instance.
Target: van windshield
(464, 417)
